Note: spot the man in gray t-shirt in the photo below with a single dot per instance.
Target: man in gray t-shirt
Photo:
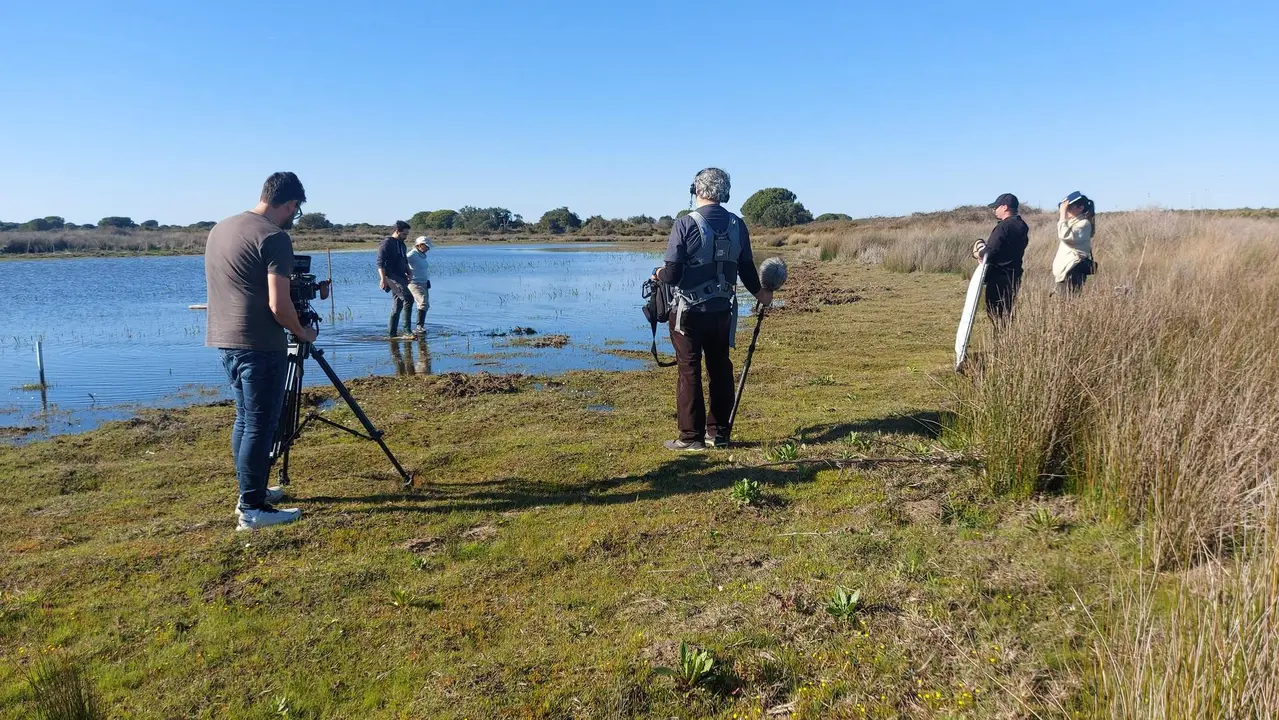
(247, 262)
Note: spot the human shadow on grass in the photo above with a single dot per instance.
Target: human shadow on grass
(681, 476)
(926, 424)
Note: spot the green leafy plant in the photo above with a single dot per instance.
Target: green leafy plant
(844, 603)
(784, 451)
(914, 565)
(857, 442)
(696, 666)
(1043, 520)
(746, 492)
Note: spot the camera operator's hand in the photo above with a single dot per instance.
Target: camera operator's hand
(765, 297)
(307, 334)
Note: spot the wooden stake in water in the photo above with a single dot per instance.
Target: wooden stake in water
(40, 362)
(332, 302)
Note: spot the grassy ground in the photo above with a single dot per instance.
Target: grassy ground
(555, 555)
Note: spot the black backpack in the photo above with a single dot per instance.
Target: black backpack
(657, 309)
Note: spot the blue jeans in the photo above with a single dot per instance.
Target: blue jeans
(257, 379)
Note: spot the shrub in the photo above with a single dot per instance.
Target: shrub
(202, 225)
(155, 224)
(832, 216)
(665, 223)
(116, 222)
(775, 207)
(597, 225)
(640, 220)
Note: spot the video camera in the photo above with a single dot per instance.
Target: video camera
(303, 288)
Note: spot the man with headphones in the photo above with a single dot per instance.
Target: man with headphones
(709, 250)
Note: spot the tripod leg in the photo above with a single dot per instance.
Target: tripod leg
(318, 355)
(291, 413)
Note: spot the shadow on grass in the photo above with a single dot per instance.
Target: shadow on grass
(923, 423)
(681, 476)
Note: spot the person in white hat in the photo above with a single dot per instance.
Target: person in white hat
(420, 283)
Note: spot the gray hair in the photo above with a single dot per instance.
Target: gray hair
(712, 184)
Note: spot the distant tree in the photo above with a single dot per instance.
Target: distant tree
(775, 207)
(597, 225)
(640, 220)
(832, 216)
(38, 224)
(313, 221)
(66, 226)
(682, 213)
(150, 224)
(7, 226)
(55, 222)
(480, 220)
(665, 222)
(116, 222)
(436, 220)
(559, 220)
(202, 225)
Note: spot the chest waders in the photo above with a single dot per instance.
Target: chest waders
(717, 249)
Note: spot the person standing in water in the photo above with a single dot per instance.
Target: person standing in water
(419, 284)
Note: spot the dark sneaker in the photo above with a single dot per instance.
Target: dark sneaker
(683, 445)
(716, 441)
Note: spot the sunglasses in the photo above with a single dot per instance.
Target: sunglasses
(297, 213)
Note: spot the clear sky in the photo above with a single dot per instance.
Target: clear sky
(176, 111)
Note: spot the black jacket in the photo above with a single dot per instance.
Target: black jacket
(392, 259)
(1007, 243)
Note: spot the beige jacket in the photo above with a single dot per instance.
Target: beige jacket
(1075, 246)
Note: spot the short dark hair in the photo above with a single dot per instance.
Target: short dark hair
(400, 225)
(282, 187)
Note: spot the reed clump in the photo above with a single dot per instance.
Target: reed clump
(1155, 396)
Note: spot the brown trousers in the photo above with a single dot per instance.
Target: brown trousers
(705, 333)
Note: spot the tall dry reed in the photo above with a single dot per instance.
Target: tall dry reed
(1155, 395)
(1205, 645)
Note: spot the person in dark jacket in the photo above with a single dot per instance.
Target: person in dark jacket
(393, 276)
(709, 250)
(1003, 252)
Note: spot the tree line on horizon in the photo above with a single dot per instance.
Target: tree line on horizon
(770, 208)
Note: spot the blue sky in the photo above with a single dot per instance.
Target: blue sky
(177, 111)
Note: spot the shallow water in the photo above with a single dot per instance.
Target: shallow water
(118, 335)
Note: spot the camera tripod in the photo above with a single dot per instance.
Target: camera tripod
(290, 427)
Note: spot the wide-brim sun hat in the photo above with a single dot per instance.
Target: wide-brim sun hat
(424, 240)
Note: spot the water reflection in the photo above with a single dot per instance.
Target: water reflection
(411, 357)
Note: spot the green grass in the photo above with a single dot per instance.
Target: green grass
(554, 557)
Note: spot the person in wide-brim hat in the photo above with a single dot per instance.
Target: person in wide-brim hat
(420, 281)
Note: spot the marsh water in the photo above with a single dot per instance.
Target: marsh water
(118, 334)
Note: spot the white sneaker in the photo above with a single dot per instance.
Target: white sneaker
(274, 494)
(254, 519)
